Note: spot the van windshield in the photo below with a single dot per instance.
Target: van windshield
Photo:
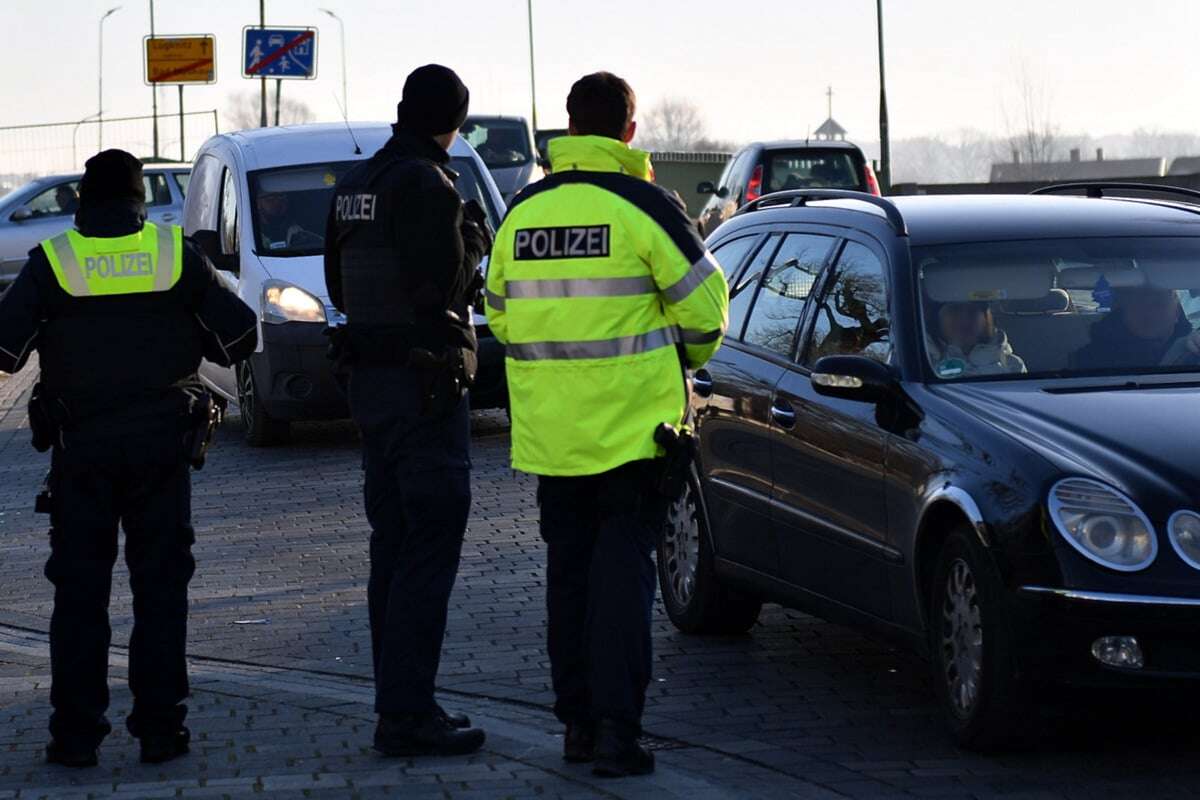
(290, 205)
(500, 142)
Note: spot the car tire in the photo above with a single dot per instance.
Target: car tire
(971, 649)
(695, 600)
(260, 428)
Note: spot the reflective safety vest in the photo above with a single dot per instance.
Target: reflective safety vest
(150, 260)
(598, 285)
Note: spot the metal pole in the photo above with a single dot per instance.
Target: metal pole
(182, 151)
(342, 36)
(278, 89)
(154, 87)
(74, 150)
(532, 78)
(885, 146)
(100, 80)
(262, 100)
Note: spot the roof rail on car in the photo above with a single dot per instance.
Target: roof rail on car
(1098, 188)
(802, 197)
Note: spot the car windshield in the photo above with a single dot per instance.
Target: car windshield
(290, 205)
(811, 169)
(499, 142)
(1060, 308)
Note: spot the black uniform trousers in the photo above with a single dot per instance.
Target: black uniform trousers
(600, 532)
(418, 495)
(142, 483)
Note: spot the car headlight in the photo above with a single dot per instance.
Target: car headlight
(1183, 529)
(283, 302)
(1103, 524)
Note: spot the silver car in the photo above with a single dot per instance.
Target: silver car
(506, 147)
(46, 206)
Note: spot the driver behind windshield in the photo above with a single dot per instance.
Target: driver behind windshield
(276, 228)
(964, 341)
(1146, 328)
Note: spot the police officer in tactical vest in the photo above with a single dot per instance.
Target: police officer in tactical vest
(120, 311)
(600, 288)
(401, 261)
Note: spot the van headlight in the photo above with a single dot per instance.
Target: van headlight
(283, 302)
(1183, 529)
(1102, 524)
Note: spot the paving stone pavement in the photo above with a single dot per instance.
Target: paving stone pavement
(799, 708)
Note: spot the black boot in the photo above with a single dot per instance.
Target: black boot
(579, 743)
(455, 719)
(424, 735)
(618, 753)
(72, 756)
(158, 748)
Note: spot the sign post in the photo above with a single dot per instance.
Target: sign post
(180, 60)
(279, 53)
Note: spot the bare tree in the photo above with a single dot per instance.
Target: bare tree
(673, 124)
(1032, 136)
(242, 110)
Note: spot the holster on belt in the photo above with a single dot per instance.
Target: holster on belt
(447, 376)
(44, 421)
(680, 445)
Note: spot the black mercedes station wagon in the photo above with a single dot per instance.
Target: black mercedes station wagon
(971, 424)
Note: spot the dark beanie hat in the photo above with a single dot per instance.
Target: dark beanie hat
(434, 101)
(111, 175)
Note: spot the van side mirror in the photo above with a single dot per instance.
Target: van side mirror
(21, 214)
(209, 243)
(853, 378)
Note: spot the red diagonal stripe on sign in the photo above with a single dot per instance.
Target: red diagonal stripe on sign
(281, 52)
(181, 70)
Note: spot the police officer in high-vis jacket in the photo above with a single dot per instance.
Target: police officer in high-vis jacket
(602, 293)
(401, 258)
(120, 312)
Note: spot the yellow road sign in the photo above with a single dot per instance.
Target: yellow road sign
(181, 59)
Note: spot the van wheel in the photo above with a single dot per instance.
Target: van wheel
(695, 601)
(971, 648)
(261, 429)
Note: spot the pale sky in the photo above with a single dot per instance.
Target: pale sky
(757, 69)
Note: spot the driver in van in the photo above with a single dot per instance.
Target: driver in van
(276, 229)
(1147, 328)
(965, 341)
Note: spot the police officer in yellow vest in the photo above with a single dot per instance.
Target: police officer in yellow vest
(600, 288)
(120, 312)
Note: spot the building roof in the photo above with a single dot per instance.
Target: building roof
(1108, 169)
(830, 129)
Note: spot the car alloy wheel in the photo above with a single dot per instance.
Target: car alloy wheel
(962, 639)
(681, 548)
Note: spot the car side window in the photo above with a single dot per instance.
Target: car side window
(200, 212)
(736, 183)
(181, 180)
(775, 318)
(853, 316)
(157, 191)
(229, 214)
(741, 291)
(59, 200)
(732, 253)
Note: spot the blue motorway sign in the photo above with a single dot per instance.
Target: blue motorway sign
(279, 53)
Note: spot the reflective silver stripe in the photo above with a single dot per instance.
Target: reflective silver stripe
(494, 300)
(600, 348)
(695, 276)
(69, 264)
(164, 270)
(699, 337)
(581, 287)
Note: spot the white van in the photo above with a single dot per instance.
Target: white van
(257, 205)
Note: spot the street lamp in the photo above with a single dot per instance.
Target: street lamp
(342, 36)
(532, 79)
(100, 77)
(885, 146)
(75, 130)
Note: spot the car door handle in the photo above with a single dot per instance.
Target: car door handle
(783, 413)
(702, 383)
(168, 217)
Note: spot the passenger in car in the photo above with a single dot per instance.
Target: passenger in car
(1146, 328)
(965, 341)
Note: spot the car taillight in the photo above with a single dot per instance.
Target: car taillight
(872, 181)
(754, 187)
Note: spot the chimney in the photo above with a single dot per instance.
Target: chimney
(1074, 155)
(1099, 153)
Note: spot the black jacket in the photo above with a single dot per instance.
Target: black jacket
(399, 253)
(122, 351)
(1112, 346)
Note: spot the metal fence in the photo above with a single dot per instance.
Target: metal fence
(31, 150)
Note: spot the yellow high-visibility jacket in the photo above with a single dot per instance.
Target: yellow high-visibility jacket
(599, 285)
(150, 260)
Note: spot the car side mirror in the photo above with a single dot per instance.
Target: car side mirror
(723, 192)
(853, 378)
(706, 187)
(209, 243)
(21, 214)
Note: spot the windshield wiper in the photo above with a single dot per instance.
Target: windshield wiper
(1126, 386)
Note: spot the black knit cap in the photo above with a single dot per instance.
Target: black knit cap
(111, 175)
(434, 101)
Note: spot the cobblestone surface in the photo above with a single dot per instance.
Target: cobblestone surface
(799, 708)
